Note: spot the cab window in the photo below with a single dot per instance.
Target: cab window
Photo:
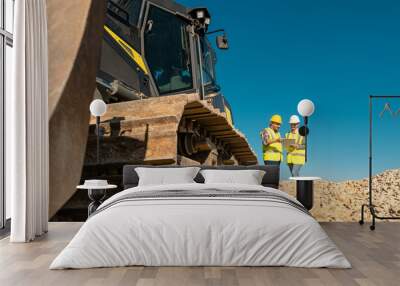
(167, 51)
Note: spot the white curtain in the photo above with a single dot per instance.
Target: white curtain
(27, 124)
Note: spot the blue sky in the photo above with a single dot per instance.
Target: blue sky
(335, 53)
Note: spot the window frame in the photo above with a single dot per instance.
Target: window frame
(205, 44)
(144, 20)
(6, 39)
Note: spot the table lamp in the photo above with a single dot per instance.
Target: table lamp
(97, 108)
(306, 109)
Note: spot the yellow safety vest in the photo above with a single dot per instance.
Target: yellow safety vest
(295, 156)
(272, 152)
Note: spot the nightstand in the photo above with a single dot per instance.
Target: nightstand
(96, 194)
(305, 190)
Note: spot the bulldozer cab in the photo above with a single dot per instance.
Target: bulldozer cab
(155, 48)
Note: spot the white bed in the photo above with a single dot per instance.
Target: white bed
(208, 230)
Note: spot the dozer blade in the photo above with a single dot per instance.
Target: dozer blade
(75, 30)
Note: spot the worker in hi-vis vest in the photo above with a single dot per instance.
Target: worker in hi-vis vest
(295, 152)
(271, 139)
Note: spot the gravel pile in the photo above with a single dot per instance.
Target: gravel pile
(341, 201)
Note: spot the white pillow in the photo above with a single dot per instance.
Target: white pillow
(248, 177)
(166, 176)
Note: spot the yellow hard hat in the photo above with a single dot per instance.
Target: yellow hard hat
(276, 118)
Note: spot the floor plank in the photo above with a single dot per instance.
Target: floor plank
(375, 257)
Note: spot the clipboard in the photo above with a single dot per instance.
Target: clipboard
(287, 142)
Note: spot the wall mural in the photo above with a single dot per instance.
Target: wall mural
(165, 105)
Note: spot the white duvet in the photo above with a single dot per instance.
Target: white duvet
(200, 231)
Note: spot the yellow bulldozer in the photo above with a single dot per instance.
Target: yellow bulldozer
(153, 64)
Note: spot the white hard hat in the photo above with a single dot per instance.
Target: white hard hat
(294, 119)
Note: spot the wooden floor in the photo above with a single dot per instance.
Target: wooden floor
(375, 257)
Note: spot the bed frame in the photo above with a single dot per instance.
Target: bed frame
(270, 179)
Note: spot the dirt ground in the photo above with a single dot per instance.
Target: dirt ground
(341, 201)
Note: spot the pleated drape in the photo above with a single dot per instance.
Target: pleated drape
(27, 124)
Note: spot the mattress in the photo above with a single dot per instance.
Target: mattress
(201, 225)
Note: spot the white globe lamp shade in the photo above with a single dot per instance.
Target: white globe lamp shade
(305, 107)
(98, 107)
